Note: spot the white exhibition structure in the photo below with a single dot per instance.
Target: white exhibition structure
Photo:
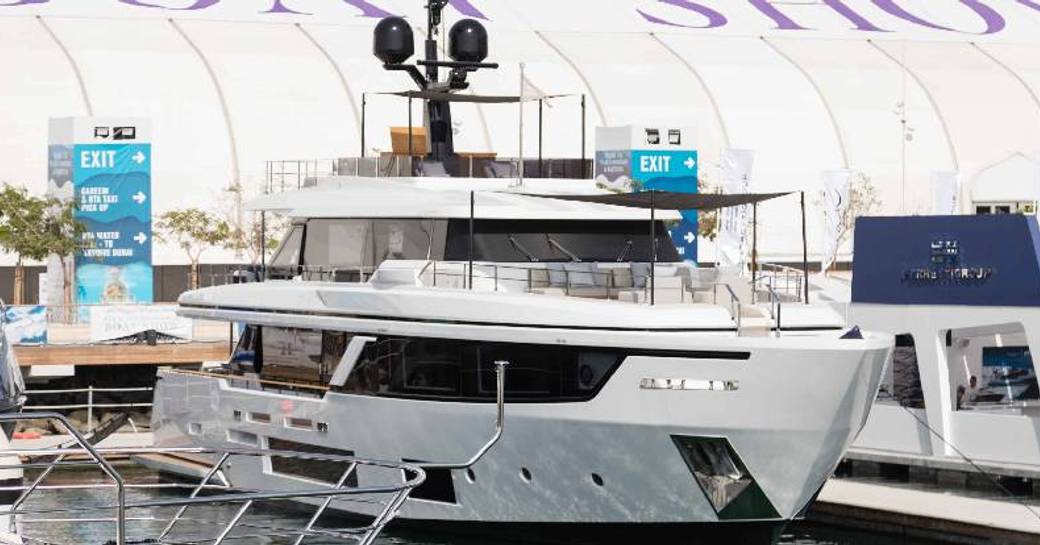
(899, 90)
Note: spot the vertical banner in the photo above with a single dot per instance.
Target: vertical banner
(836, 185)
(731, 241)
(946, 189)
(113, 187)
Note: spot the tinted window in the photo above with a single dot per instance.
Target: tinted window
(558, 241)
(364, 244)
(465, 370)
(288, 254)
(296, 355)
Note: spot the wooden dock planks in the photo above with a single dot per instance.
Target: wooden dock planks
(122, 354)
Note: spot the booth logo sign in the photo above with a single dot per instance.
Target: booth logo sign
(945, 267)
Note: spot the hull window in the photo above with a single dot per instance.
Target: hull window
(439, 485)
(299, 356)
(724, 479)
(313, 470)
(465, 371)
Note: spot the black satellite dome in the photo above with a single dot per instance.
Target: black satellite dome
(468, 41)
(393, 41)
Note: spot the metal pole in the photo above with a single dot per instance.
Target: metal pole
(364, 108)
(410, 150)
(653, 245)
(263, 244)
(584, 173)
(805, 253)
(541, 168)
(90, 409)
(521, 102)
(472, 211)
(754, 251)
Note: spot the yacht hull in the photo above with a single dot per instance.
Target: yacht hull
(612, 461)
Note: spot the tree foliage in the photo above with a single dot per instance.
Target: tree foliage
(192, 230)
(34, 228)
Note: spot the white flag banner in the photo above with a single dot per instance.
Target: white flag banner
(946, 193)
(836, 185)
(736, 179)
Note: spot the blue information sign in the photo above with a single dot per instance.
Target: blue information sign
(113, 188)
(674, 171)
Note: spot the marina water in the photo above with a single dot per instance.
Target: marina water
(150, 522)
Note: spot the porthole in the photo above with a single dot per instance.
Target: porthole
(470, 476)
(597, 480)
(525, 474)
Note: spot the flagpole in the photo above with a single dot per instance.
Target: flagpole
(521, 103)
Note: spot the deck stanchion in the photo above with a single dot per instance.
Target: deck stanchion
(754, 253)
(584, 172)
(472, 208)
(364, 108)
(805, 253)
(653, 246)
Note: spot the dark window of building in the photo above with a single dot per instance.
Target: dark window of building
(558, 241)
(983, 210)
(1002, 209)
(325, 471)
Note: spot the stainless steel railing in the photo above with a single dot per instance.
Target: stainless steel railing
(383, 500)
(91, 406)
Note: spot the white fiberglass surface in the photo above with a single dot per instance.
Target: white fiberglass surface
(37, 83)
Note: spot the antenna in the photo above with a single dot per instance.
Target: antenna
(394, 44)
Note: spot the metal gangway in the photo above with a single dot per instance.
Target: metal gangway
(378, 503)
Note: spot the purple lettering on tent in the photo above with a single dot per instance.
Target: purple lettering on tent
(466, 8)
(278, 7)
(24, 3)
(784, 22)
(199, 4)
(1030, 3)
(715, 19)
(369, 9)
(994, 21)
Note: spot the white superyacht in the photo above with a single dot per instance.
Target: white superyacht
(676, 416)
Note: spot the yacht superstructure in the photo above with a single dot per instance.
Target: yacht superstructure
(700, 411)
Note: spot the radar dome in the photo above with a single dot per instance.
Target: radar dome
(393, 42)
(468, 41)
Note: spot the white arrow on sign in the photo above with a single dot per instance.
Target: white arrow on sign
(689, 237)
(141, 238)
(139, 157)
(140, 197)
(690, 163)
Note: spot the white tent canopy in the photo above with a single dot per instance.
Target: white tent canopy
(897, 91)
